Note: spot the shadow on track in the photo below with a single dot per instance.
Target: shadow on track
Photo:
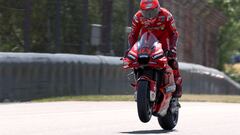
(148, 132)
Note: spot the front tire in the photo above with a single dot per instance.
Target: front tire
(169, 121)
(143, 101)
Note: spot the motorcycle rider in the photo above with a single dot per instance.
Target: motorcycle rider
(158, 20)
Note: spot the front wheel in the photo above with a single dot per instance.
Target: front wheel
(143, 101)
(169, 121)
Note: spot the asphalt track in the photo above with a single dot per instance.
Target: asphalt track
(113, 118)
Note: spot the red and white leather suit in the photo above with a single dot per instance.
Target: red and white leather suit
(164, 28)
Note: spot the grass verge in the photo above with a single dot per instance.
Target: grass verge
(88, 98)
(211, 98)
(237, 67)
(186, 98)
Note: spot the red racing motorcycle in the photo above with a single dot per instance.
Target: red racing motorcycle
(153, 82)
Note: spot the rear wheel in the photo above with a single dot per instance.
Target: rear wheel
(169, 121)
(143, 101)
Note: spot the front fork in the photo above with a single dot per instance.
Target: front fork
(152, 88)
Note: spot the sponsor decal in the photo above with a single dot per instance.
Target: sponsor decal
(135, 18)
(149, 6)
(169, 17)
(152, 28)
(162, 27)
(173, 25)
(162, 18)
(171, 88)
(146, 24)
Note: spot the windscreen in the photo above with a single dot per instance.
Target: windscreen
(146, 42)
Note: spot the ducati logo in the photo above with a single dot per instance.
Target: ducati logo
(144, 51)
(162, 18)
(148, 22)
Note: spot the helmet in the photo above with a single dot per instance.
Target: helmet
(149, 8)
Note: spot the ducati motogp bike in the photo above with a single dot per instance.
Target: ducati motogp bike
(153, 81)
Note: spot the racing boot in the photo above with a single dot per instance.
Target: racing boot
(178, 82)
(177, 78)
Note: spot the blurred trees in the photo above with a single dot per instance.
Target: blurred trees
(84, 26)
(62, 25)
(65, 26)
(230, 33)
(107, 8)
(20, 25)
(11, 21)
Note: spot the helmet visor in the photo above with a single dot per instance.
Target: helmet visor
(150, 13)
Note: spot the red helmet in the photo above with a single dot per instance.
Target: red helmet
(150, 8)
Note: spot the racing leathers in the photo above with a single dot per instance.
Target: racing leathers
(164, 28)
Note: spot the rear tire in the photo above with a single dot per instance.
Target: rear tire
(169, 121)
(143, 101)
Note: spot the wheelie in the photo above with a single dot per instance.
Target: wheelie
(158, 84)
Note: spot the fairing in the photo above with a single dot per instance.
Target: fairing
(149, 46)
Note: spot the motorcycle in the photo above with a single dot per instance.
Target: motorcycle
(153, 81)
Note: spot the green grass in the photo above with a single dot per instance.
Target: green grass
(89, 98)
(185, 98)
(211, 98)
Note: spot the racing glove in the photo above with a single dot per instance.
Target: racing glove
(172, 54)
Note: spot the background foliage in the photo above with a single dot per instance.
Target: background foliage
(229, 39)
(72, 36)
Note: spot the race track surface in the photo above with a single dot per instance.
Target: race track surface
(113, 118)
